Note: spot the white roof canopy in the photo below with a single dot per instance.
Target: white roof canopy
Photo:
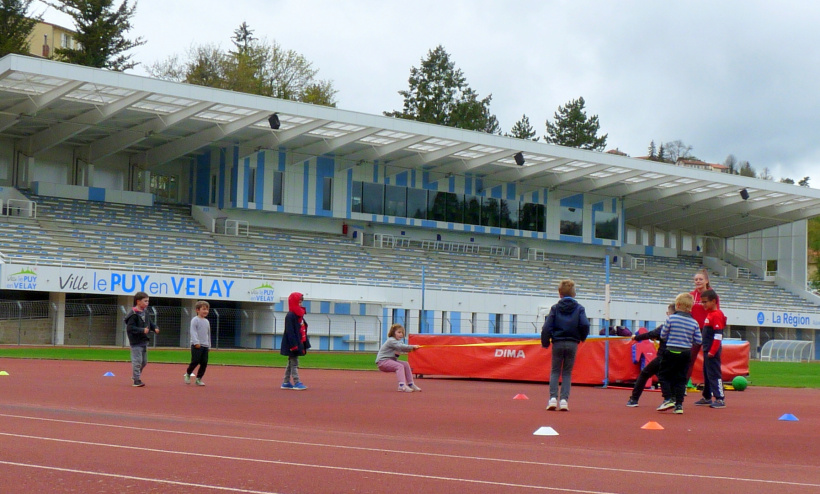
(44, 104)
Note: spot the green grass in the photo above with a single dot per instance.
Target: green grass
(255, 358)
(773, 374)
(784, 374)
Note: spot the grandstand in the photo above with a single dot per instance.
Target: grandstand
(376, 219)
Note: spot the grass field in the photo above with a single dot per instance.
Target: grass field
(775, 374)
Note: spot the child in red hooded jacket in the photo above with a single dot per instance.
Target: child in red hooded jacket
(294, 341)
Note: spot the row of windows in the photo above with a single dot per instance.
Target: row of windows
(405, 202)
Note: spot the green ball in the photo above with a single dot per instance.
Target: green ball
(739, 383)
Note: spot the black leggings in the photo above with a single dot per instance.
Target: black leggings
(199, 356)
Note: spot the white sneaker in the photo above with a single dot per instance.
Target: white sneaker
(414, 387)
(553, 404)
(187, 378)
(199, 382)
(564, 407)
(404, 389)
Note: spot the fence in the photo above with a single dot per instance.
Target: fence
(37, 323)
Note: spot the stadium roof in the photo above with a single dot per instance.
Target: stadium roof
(45, 103)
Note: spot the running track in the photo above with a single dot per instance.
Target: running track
(66, 428)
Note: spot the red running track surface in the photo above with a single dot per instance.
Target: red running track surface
(66, 428)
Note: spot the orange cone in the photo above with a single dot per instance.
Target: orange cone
(520, 396)
(652, 426)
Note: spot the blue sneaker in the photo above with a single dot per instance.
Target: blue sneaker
(718, 404)
(703, 402)
(286, 386)
(299, 386)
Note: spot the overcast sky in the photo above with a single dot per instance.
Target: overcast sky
(728, 77)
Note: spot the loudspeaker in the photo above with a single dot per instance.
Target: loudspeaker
(273, 120)
(744, 194)
(519, 158)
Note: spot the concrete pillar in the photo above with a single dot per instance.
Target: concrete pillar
(89, 175)
(124, 304)
(57, 303)
(186, 314)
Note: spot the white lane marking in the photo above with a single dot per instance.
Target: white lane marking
(419, 453)
(131, 477)
(297, 464)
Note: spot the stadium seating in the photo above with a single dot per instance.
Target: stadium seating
(165, 238)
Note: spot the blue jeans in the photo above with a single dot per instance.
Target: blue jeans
(563, 359)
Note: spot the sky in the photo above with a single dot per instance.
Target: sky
(728, 77)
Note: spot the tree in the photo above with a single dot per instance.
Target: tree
(676, 150)
(786, 180)
(16, 26)
(255, 66)
(523, 130)
(804, 182)
(100, 34)
(731, 163)
(652, 150)
(573, 128)
(661, 154)
(766, 174)
(746, 170)
(438, 93)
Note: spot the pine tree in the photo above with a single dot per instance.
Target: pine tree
(661, 154)
(438, 93)
(523, 130)
(573, 128)
(101, 32)
(16, 26)
(652, 150)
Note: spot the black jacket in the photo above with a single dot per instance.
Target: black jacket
(136, 322)
(293, 337)
(655, 334)
(567, 321)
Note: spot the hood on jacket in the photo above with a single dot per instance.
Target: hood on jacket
(293, 304)
(642, 330)
(566, 305)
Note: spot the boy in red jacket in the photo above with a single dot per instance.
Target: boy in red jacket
(713, 327)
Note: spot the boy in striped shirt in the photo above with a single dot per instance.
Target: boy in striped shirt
(681, 331)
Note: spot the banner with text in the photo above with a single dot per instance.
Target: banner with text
(98, 281)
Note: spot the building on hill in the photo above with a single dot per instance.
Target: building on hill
(112, 183)
(702, 165)
(46, 38)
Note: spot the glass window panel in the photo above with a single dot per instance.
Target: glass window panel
(472, 210)
(276, 197)
(373, 198)
(529, 217)
(356, 198)
(606, 225)
(509, 214)
(541, 215)
(437, 206)
(327, 194)
(252, 185)
(572, 221)
(417, 203)
(490, 211)
(395, 200)
(455, 208)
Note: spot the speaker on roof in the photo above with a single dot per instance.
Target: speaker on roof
(744, 194)
(519, 158)
(274, 122)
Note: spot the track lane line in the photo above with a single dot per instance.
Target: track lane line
(419, 453)
(298, 464)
